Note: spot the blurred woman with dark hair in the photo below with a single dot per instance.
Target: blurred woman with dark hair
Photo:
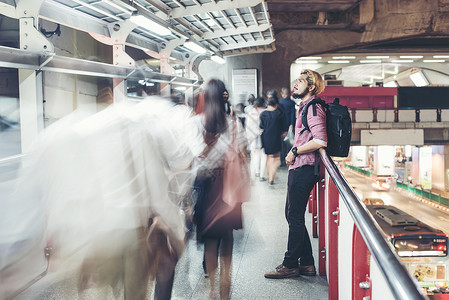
(272, 123)
(215, 218)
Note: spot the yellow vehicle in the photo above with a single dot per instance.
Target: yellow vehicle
(373, 201)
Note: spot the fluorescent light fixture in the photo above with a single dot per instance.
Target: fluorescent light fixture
(343, 57)
(195, 47)
(411, 56)
(402, 61)
(338, 62)
(306, 62)
(310, 57)
(150, 25)
(371, 61)
(433, 60)
(441, 56)
(218, 59)
(419, 79)
(377, 57)
(390, 84)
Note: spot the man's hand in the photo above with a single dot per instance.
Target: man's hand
(290, 158)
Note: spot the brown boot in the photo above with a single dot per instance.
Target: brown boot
(282, 272)
(307, 270)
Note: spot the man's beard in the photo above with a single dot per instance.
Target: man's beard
(301, 95)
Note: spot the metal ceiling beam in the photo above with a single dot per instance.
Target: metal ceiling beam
(210, 7)
(245, 51)
(64, 15)
(253, 15)
(211, 16)
(228, 19)
(227, 32)
(247, 44)
(240, 17)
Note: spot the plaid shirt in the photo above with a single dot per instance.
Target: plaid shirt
(317, 125)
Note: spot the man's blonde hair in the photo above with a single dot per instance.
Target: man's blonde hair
(314, 78)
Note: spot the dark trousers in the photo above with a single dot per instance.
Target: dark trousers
(285, 148)
(300, 183)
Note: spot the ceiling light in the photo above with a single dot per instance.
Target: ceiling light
(218, 59)
(150, 25)
(402, 60)
(441, 56)
(433, 60)
(372, 61)
(343, 57)
(338, 62)
(419, 79)
(306, 62)
(390, 84)
(377, 57)
(411, 56)
(195, 47)
(310, 57)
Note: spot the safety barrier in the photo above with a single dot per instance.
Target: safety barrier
(424, 194)
(353, 252)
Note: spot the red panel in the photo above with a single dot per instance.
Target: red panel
(359, 102)
(332, 252)
(361, 97)
(382, 102)
(340, 91)
(360, 266)
(321, 224)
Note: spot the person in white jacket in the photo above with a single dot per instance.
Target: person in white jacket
(253, 133)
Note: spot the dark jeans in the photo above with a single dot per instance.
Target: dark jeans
(300, 183)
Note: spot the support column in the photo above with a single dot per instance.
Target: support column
(31, 107)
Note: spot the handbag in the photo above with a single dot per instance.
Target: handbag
(236, 177)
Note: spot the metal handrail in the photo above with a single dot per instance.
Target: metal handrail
(401, 284)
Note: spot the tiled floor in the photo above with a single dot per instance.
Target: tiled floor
(258, 247)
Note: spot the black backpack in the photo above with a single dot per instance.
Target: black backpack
(338, 126)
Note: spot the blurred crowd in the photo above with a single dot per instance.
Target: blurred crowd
(118, 193)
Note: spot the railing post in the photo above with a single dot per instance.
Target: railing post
(314, 212)
(438, 114)
(396, 115)
(361, 283)
(417, 118)
(332, 251)
(321, 222)
(310, 202)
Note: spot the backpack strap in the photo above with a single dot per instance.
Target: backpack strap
(305, 110)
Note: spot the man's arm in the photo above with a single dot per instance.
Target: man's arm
(310, 146)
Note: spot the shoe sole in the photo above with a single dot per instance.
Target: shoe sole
(281, 277)
(308, 274)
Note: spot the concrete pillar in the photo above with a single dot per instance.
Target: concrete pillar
(31, 107)
(440, 167)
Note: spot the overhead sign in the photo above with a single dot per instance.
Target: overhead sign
(395, 137)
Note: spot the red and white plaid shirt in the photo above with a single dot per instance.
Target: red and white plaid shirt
(317, 125)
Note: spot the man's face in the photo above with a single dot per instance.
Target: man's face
(301, 87)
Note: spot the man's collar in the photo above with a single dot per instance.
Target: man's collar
(304, 102)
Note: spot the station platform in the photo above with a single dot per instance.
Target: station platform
(258, 247)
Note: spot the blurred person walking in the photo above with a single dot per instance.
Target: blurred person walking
(215, 216)
(272, 124)
(253, 134)
(288, 106)
(302, 176)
